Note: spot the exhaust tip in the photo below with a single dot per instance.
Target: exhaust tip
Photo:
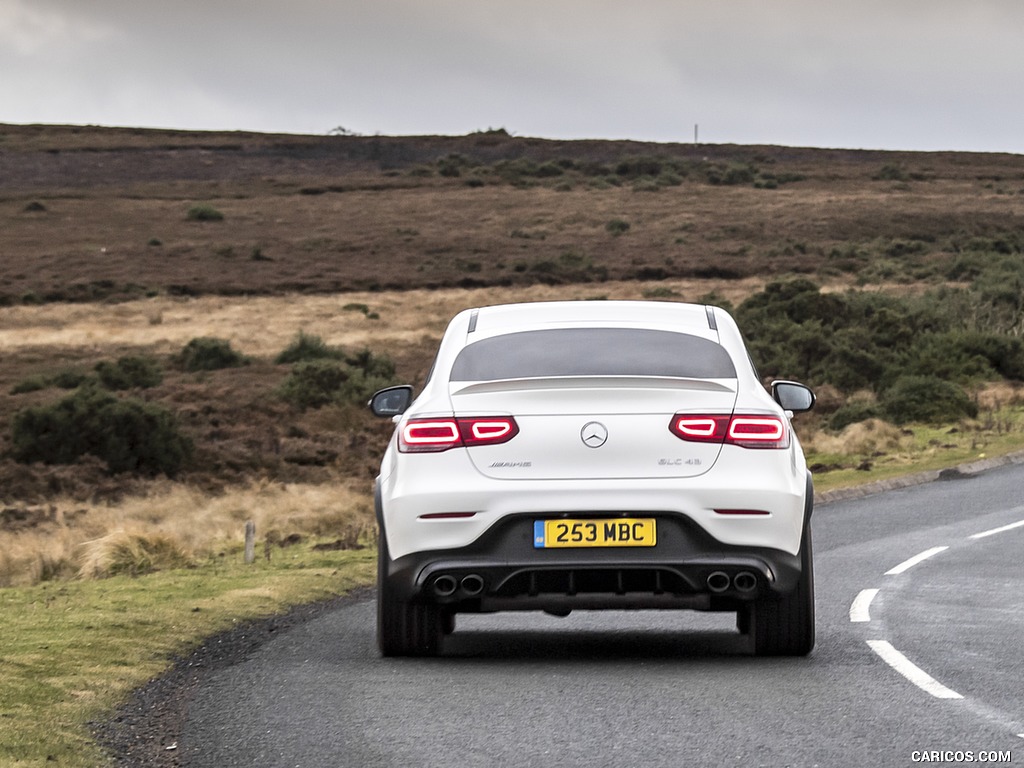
(718, 582)
(472, 585)
(445, 586)
(745, 581)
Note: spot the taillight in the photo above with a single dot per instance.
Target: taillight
(429, 435)
(435, 435)
(488, 431)
(745, 430)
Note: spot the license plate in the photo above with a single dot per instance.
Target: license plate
(621, 532)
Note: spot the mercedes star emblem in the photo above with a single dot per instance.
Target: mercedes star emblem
(594, 434)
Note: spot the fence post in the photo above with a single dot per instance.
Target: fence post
(250, 542)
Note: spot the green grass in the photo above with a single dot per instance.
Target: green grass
(927, 448)
(71, 652)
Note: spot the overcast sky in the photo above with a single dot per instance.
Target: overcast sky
(889, 74)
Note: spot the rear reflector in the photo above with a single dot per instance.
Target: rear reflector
(447, 515)
(435, 435)
(745, 430)
(742, 512)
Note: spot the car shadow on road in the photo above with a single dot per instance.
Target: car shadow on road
(595, 645)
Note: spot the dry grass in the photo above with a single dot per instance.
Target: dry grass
(263, 326)
(861, 439)
(174, 525)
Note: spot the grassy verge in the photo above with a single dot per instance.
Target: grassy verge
(874, 452)
(70, 652)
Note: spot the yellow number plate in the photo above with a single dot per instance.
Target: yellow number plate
(621, 532)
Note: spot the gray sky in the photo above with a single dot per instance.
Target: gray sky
(890, 74)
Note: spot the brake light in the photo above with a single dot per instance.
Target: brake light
(487, 431)
(744, 430)
(700, 429)
(429, 435)
(435, 435)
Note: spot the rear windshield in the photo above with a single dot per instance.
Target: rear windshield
(592, 352)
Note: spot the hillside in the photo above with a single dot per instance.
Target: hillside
(93, 213)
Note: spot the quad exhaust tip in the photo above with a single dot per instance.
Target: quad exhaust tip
(745, 581)
(718, 582)
(472, 585)
(447, 585)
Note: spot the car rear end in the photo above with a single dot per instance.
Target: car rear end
(593, 455)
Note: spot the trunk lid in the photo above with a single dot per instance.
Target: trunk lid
(594, 427)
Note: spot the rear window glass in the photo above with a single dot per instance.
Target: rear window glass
(592, 352)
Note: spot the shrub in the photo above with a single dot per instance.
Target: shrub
(308, 347)
(891, 172)
(316, 383)
(129, 435)
(204, 213)
(926, 399)
(852, 413)
(209, 354)
(31, 384)
(130, 373)
(617, 227)
(549, 170)
(852, 340)
(730, 174)
(379, 366)
(515, 171)
(69, 379)
(66, 379)
(633, 167)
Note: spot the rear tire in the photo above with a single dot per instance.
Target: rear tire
(404, 628)
(784, 626)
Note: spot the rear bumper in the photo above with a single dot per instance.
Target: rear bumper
(775, 484)
(502, 570)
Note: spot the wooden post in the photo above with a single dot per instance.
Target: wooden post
(250, 542)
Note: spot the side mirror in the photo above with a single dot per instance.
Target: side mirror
(793, 396)
(392, 401)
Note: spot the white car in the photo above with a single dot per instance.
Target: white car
(594, 455)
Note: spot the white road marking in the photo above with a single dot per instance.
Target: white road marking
(859, 611)
(908, 564)
(911, 671)
(994, 531)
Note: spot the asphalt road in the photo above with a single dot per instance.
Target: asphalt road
(932, 663)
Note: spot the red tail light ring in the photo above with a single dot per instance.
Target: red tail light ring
(744, 429)
(436, 435)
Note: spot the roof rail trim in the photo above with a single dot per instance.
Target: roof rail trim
(712, 322)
